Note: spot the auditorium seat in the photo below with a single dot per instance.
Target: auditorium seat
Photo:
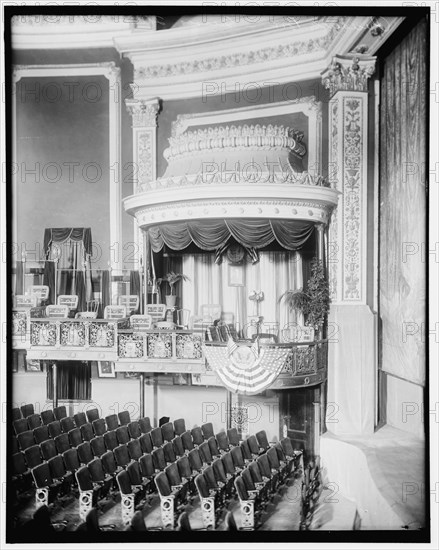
(47, 416)
(138, 484)
(146, 443)
(71, 460)
(158, 459)
(33, 456)
(20, 425)
(25, 440)
(228, 464)
(85, 453)
(207, 502)
(14, 444)
(168, 431)
(122, 435)
(288, 448)
(186, 472)
(46, 490)
(197, 436)
(179, 426)
(145, 424)
(177, 443)
(48, 449)
(251, 487)
(233, 437)
(67, 424)
(186, 438)
(207, 430)
(75, 437)
(246, 504)
(156, 437)
(34, 421)
(109, 464)
(87, 432)
(124, 418)
(16, 414)
(99, 427)
(54, 428)
(60, 412)
(169, 500)
(21, 475)
(254, 446)
(238, 458)
(60, 475)
(41, 434)
(176, 480)
(213, 446)
(87, 492)
(27, 410)
(147, 470)
(195, 460)
(216, 489)
(134, 449)
(223, 477)
(205, 453)
(246, 453)
(121, 456)
(99, 478)
(134, 430)
(98, 445)
(80, 419)
(112, 422)
(62, 443)
(222, 441)
(110, 440)
(127, 497)
(262, 485)
(168, 450)
(267, 472)
(92, 414)
(262, 440)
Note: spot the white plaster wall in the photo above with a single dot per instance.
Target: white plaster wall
(405, 406)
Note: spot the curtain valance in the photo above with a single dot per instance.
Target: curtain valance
(63, 234)
(214, 233)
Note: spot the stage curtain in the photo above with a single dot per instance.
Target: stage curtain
(49, 280)
(74, 380)
(105, 292)
(213, 234)
(19, 278)
(81, 291)
(135, 289)
(63, 234)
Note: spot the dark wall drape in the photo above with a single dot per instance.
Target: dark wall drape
(19, 279)
(105, 291)
(80, 291)
(74, 380)
(214, 234)
(135, 289)
(49, 280)
(402, 284)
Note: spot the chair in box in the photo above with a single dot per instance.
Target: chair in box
(197, 436)
(167, 495)
(41, 434)
(60, 475)
(207, 430)
(54, 428)
(16, 414)
(131, 303)
(122, 434)
(27, 410)
(121, 455)
(127, 497)
(188, 443)
(156, 311)
(177, 443)
(85, 453)
(80, 419)
(100, 479)
(195, 460)
(44, 485)
(146, 443)
(158, 459)
(262, 440)
(124, 418)
(110, 440)
(246, 505)
(47, 417)
(115, 312)
(145, 424)
(33, 456)
(168, 450)
(112, 422)
(87, 492)
(25, 440)
(71, 460)
(34, 421)
(205, 453)
(168, 431)
(75, 437)
(222, 441)
(134, 449)
(179, 426)
(134, 430)
(48, 449)
(98, 445)
(92, 414)
(87, 432)
(62, 443)
(67, 424)
(99, 426)
(233, 437)
(69, 300)
(156, 437)
(60, 412)
(207, 502)
(57, 312)
(20, 425)
(140, 323)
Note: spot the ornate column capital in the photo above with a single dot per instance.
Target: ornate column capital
(348, 73)
(143, 111)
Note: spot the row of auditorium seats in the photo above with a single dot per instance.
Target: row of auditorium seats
(312, 487)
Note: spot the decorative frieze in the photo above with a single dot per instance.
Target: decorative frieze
(348, 73)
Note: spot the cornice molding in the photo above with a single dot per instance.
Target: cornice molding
(348, 73)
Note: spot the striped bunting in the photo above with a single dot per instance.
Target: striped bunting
(244, 369)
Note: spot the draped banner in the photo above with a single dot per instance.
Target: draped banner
(213, 234)
(245, 369)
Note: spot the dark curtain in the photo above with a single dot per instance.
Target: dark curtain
(135, 289)
(80, 291)
(49, 280)
(62, 234)
(19, 279)
(214, 234)
(65, 282)
(403, 150)
(105, 292)
(74, 380)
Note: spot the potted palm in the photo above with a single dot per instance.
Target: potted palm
(172, 278)
(296, 300)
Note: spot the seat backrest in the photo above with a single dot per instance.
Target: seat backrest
(48, 449)
(179, 426)
(145, 424)
(133, 470)
(209, 477)
(83, 479)
(210, 312)
(233, 436)
(140, 322)
(246, 453)
(34, 420)
(178, 446)
(92, 414)
(218, 470)
(173, 474)
(84, 452)
(75, 437)
(115, 312)
(130, 301)
(227, 461)
(134, 449)
(67, 424)
(109, 462)
(168, 450)
(186, 438)
(207, 430)
(41, 434)
(205, 453)
(168, 431)
(280, 452)
(201, 485)
(80, 419)
(162, 484)
(146, 443)
(71, 460)
(19, 463)
(98, 445)
(55, 428)
(146, 465)
(124, 418)
(195, 460)
(156, 437)
(27, 409)
(62, 442)
(134, 429)
(255, 472)
(99, 427)
(197, 435)
(158, 458)
(121, 455)
(20, 425)
(60, 412)
(262, 439)
(253, 444)
(124, 482)
(69, 300)
(112, 421)
(47, 416)
(33, 456)
(16, 413)
(25, 440)
(41, 292)
(184, 467)
(156, 311)
(248, 479)
(273, 459)
(42, 476)
(122, 434)
(57, 312)
(287, 446)
(183, 316)
(57, 467)
(241, 489)
(264, 465)
(96, 471)
(87, 432)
